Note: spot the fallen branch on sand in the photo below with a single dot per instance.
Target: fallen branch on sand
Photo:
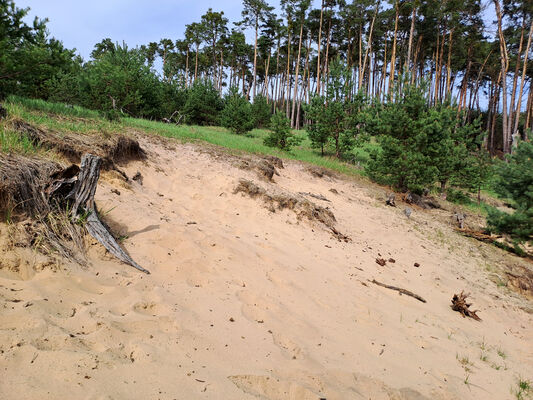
(400, 290)
(459, 304)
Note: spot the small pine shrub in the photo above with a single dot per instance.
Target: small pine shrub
(515, 180)
(237, 113)
(280, 135)
(261, 112)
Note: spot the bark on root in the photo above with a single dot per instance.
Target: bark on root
(82, 197)
(43, 191)
(459, 304)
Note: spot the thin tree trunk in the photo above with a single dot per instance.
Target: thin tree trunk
(187, 69)
(296, 75)
(255, 53)
(196, 65)
(318, 49)
(505, 65)
(288, 71)
(393, 55)
(524, 68)
(411, 34)
(326, 61)
(515, 81)
(449, 66)
(368, 45)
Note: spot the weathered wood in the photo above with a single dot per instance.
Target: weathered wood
(85, 187)
(398, 289)
(82, 195)
(459, 304)
(97, 230)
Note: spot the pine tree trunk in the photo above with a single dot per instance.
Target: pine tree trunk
(524, 69)
(369, 43)
(393, 55)
(296, 75)
(326, 61)
(288, 72)
(318, 49)
(255, 52)
(411, 34)
(515, 81)
(504, 66)
(187, 69)
(196, 65)
(449, 66)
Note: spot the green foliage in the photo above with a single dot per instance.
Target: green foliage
(203, 104)
(237, 113)
(457, 196)
(338, 117)
(515, 180)
(261, 112)
(118, 79)
(420, 145)
(280, 134)
(28, 58)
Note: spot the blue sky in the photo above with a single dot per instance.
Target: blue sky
(81, 24)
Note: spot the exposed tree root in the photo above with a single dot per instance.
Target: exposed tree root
(459, 304)
(116, 149)
(299, 205)
(60, 201)
(80, 198)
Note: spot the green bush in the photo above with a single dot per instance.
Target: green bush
(338, 117)
(280, 134)
(420, 145)
(457, 196)
(237, 113)
(261, 112)
(203, 104)
(515, 181)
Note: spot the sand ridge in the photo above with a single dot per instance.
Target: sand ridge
(244, 303)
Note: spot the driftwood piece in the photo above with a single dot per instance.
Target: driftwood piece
(400, 290)
(459, 304)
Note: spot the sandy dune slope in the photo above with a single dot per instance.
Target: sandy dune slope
(246, 303)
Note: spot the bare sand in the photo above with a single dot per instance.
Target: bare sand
(246, 303)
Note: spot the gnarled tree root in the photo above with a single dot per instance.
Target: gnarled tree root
(81, 196)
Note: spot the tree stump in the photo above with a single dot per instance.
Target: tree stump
(82, 197)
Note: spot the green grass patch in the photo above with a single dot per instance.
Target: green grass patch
(52, 108)
(251, 143)
(64, 118)
(14, 142)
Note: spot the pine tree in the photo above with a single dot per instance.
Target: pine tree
(237, 113)
(280, 135)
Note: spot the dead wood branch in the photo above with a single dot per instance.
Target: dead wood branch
(400, 290)
(459, 304)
